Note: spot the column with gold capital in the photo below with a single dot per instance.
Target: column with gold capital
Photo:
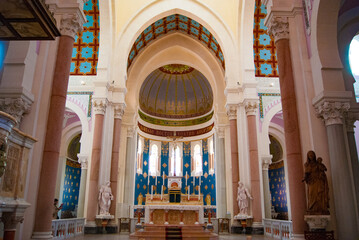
(70, 23)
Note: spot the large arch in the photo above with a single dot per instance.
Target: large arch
(154, 11)
(175, 48)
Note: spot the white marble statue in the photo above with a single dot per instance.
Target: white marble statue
(242, 198)
(104, 198)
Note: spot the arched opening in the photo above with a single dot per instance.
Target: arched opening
(354, 63)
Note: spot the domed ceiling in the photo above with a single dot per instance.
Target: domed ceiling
(176, 91)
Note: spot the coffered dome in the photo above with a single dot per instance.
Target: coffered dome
(176, 91)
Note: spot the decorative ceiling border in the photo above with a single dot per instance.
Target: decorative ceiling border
(162, 133)
(171, 24)
(175, 123)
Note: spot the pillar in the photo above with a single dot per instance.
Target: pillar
(331, 111)
(232, 115)
(266, 161)
(119, 110)
(221, 171)
(81, 203)
(130, 170)
(251, 109)
(11, 220)
(99, 108)
(350, 120)
(279, 28)
(70, 25)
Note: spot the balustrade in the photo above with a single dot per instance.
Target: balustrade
(278, 229)
(67, 228)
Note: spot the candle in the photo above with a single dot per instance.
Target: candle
(186, 178)
(199, 180)
(163, 178)
(156, 181)
(148, 180)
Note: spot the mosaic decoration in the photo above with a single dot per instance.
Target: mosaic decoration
(174, 123)
(144, 183)
(176, 91)
(71, 185)
(277, 187)
(267, 101)
(85, 50)
(163, 133)
(265, 56)
(171, 24)
(81, 99)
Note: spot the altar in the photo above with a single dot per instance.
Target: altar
(174, 214)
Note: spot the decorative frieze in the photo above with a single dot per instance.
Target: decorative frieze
(99, 106)
(119, 109)
(278, 27)
(232, 111)
(251, 107)
(16, 107)
(332, 112)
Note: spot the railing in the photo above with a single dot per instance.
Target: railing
(277, 229)
(67, 228)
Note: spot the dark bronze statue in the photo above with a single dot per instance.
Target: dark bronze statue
(317, 185)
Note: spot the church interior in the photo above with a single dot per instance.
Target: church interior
(179, 119)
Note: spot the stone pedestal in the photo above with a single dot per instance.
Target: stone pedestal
(317, 222)
(242, 224)
(103, 224)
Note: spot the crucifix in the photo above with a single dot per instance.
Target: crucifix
(174, 139)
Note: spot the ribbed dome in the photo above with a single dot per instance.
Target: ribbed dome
(176, 91)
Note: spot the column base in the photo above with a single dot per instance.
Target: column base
(41, 235)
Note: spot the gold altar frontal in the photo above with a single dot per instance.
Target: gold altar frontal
(159, 210)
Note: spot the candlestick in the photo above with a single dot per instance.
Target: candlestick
(163, 178)
(156, 181)
(189, 187)
(148, 180)
(151, 192)
(199, 180)
(161, 192)
(186, 178)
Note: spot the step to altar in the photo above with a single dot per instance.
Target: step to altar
(154, 232)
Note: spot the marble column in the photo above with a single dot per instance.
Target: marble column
(221, 171)
(350, 120)
(11, 220)
(332, 114)
(119, 110)
(130, 169)
(232, 115)
(70, 25)
(81, 203)
(279, 28)
(99, 108)
(251, 109)
(266, 161)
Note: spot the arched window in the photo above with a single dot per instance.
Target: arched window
(211, 156)
(176, 160)
(139, 156)
(153, 163)
(197, 160)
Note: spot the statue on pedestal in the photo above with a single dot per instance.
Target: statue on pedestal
(104, 198)
(242, 198)
(317, 185)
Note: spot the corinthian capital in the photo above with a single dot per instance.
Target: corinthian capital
(278, 27)
(99, 106)
(232, 111)
(16, 107)
(83, 160)
(251, 107)
(119, 109)
(332, 112)
(70, 25)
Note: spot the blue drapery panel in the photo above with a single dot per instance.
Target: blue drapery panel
(141, 188)
(71, 185)
(208, 181)
(277, 187)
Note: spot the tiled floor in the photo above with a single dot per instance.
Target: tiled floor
(126, 236)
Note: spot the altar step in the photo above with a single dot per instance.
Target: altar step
(174, 233)
(186, 232)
